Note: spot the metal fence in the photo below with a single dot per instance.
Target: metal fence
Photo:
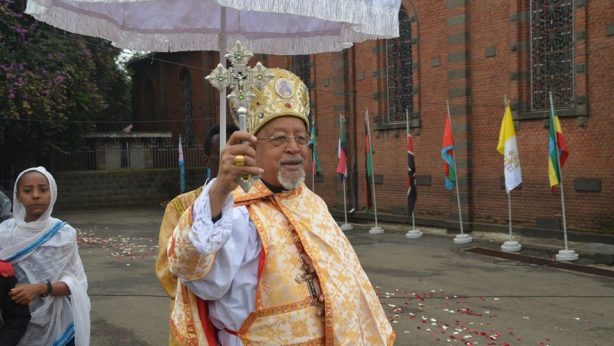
(126, 156)
(168, 157)
(7, 176)
(81, 160)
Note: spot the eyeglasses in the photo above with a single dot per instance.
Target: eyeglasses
(285, 140)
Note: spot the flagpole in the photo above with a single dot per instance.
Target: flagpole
(510, 245)
(346, 226)
(313, 168)
(376, 229)
(509, 193)
(413, 233)
(566, 254)
(461, 238)
(313, 182)
(509, 212)
(181, 164)
(345, 210)
(313, 154)
(222, 47)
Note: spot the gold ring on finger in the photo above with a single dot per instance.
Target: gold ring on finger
(239, 160)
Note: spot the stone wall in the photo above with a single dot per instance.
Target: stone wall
(145, 187)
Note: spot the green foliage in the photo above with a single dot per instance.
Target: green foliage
(55, 85)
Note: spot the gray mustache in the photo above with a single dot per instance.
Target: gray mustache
(291, 160)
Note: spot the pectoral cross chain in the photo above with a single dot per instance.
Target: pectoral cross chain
(310, 277)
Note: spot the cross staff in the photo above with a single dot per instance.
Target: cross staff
(241, 78)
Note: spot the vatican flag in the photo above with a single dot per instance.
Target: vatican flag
(509, 149)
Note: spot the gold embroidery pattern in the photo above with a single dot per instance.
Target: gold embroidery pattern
(178, 205)
(265, 247)
(350, 298)
(309, 275)
(186, 261)
(284, 314)
(172, 213)
(283, 263)
(183, 201)
(255, 194)
(185, 322)
(328, 309)
(283, 325)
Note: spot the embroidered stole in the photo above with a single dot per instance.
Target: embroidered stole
(174, 209)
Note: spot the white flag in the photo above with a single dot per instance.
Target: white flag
(509, 149)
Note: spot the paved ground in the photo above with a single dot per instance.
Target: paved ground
(433, 292)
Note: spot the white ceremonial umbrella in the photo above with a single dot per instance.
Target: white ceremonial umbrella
(283, 27)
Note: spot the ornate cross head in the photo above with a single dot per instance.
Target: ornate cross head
(240, 77)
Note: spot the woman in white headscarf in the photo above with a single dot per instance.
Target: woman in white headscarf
(44, 252)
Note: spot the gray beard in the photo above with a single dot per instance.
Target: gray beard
(289, 183)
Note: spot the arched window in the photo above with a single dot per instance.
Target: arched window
(399, 66)
(149, 111)
(185, 98)
(552, 55)
(301, 66)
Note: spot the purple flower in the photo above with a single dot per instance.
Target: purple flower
(59, 79)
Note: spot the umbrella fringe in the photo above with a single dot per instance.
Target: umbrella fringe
(173, 42)
(349, 11)
(381, 22)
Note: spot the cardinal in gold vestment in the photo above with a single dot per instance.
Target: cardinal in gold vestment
(269, 266)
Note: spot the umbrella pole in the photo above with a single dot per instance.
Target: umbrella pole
(222, 48)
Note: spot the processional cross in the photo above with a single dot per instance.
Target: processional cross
(241, 78)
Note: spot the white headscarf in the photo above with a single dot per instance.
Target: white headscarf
(55, 258)
(19, 211)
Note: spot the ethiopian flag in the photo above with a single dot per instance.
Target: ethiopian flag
(447, 154)
(557, 149)
(508, 147)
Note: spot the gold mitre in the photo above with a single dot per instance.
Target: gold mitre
(283, 95)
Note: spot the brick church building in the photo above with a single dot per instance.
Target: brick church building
(471, 54)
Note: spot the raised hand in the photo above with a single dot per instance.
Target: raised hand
(237, 159)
